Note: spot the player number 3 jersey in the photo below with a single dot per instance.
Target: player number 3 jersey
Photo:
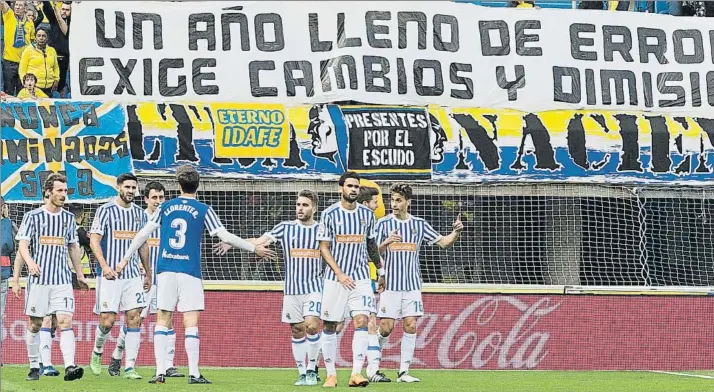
(182, 222)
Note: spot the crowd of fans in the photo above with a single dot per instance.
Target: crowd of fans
(35, 38)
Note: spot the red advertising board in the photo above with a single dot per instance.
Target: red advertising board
(464, 331)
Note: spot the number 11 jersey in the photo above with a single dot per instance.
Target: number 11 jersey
(182, 223)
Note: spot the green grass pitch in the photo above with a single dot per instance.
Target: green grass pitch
(12, 379)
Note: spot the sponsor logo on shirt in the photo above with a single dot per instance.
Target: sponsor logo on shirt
(51, 241)
(124, 235)
(305, 253)
(349, 238)
(154, 242)
(402, 247)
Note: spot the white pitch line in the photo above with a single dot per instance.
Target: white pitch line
(682, 374)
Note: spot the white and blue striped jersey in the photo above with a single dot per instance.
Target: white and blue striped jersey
(118, 227)
(301, 251)
(154, 243)
(402, 258)
(49, 235)
(347, 231)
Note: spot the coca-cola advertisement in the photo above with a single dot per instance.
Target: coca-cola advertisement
(458, 331)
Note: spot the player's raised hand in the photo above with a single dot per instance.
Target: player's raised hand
(221, 248)
(263, 251)
(346, 281)
(83, 283)
(394, 237)
(33, 269)
(458, 225)
(16, 289)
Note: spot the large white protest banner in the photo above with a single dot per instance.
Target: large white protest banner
(413, 53)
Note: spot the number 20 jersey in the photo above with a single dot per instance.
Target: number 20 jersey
(182, 223)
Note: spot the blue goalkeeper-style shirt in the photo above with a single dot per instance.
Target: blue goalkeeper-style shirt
(182, 221)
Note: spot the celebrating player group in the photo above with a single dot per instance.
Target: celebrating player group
(165, 276)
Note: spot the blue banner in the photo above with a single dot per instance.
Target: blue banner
(85, 141)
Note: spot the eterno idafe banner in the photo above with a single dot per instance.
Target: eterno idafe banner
(392, 53)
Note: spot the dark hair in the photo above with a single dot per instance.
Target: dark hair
(312, 195)
(403, 189)
(366, 193)
(346, 175)
(49, 184)
(75, 208)
(153, 185)
(29, 75)
(126, 177)
(188, 178)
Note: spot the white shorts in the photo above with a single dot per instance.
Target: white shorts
(399, 304)
(179, 291)
(338, 301)
(151, 301)
(375, 306)
(42, 300)
(297, 307)
(119, 295)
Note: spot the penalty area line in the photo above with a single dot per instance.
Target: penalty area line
(682, 374)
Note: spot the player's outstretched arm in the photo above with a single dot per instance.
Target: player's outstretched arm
(237, 242)
(449, 240)
(139, 240)
(222, 248)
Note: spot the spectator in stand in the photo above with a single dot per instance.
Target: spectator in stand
(591, 5)
(30, 92)
(522, 4)
(34, 14)
(41, 60)
(59, 20)
(18, 33)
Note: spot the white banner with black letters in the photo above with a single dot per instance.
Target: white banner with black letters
(411, 53)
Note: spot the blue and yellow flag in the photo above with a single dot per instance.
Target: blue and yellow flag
(85, 141)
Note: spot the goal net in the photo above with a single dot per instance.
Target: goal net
(516, 234)
(493, 301)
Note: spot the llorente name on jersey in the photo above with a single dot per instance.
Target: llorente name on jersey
(182, 207)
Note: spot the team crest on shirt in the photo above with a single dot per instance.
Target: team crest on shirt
(364, 222)
(105, 305)
(326, 313)
(287, 316)
(384, 309)
(32, 309)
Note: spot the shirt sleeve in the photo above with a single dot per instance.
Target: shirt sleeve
(277, 233)
(326, 229)
(212, 222)
(27, 228)
(100, 221)
(380, 230)
(72, 232)
(372, 227)
(431, 236)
